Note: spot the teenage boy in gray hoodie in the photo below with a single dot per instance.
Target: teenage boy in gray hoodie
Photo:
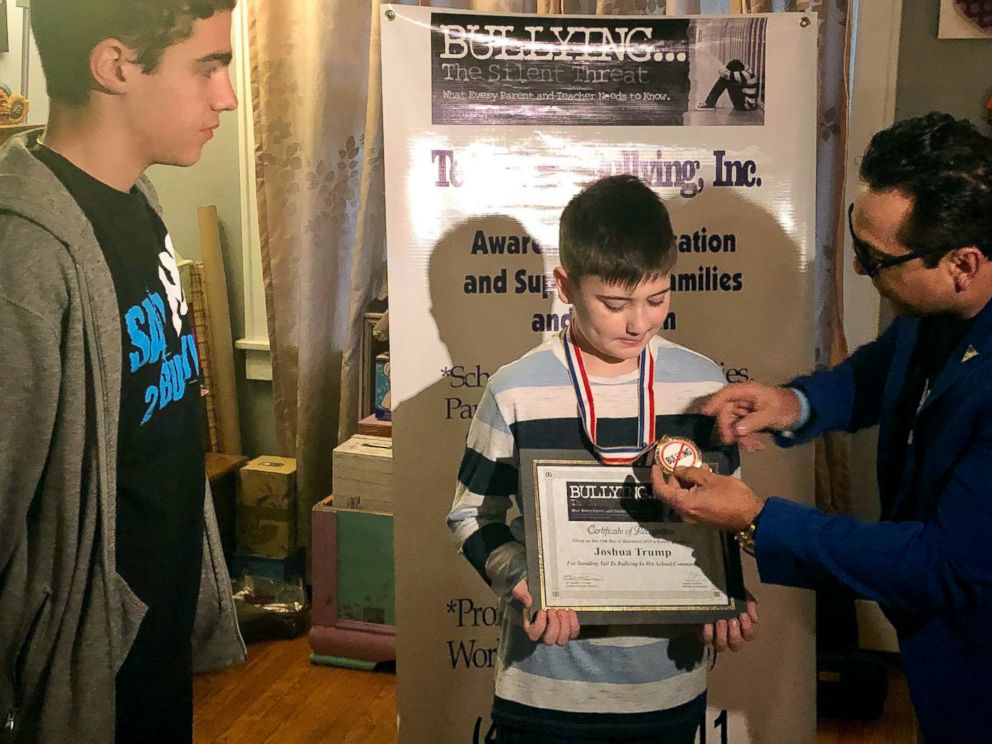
(113, 587)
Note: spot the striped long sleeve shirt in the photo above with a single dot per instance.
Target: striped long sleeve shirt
(747, 82)
(610, 680)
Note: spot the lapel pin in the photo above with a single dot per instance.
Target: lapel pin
(970, 353)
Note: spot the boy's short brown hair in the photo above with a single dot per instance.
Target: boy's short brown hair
(618, 229)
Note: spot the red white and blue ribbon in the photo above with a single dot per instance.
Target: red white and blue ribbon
(625, 454)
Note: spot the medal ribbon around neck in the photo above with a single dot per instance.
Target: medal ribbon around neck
(624, 454)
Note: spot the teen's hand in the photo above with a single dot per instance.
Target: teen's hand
(733, 634)
(554, 627)
(744, 408)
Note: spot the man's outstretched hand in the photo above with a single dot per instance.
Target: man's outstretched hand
(745, 408)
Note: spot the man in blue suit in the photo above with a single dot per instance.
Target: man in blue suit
(922, 231)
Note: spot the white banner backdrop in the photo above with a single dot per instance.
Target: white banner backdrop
(492, 123)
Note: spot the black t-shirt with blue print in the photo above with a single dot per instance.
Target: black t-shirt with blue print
(160, 446)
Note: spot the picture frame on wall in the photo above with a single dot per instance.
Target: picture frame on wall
(371, 347)
(965, 19)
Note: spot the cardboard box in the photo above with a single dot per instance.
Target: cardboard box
(352, 566)
(266, 512)
(372, 426)
(366, 503)
(363, 474)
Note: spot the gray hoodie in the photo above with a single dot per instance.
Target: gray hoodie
(67, 618)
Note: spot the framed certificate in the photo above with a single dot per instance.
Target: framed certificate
(600, 543)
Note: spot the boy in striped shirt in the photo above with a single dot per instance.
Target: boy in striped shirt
(556, 681)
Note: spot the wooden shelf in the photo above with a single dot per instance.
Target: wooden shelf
(9, 130)
(219, 465)
(222, 472)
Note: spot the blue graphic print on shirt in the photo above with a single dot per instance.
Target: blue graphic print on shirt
(145, 323)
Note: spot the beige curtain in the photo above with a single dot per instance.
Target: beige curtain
(316, 83)
(318, 127)
(833, 451)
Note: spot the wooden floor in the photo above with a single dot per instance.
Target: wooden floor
(896, 726)
(277, 697)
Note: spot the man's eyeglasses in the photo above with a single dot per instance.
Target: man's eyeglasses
(873, 262)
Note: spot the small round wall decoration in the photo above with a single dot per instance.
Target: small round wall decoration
(965, 19)
(978, 12)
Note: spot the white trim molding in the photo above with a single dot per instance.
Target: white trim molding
(872, 107)
(255, 344)
(258, 360)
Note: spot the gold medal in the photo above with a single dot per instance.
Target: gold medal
(677, 452)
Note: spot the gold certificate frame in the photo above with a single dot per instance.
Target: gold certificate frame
(599, 543)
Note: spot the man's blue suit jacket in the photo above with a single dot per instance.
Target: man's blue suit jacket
(928, 561)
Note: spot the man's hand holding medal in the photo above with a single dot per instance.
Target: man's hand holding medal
(741, 411)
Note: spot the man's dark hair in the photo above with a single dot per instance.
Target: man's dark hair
(67, 30)
(945, 167)
(617, 229)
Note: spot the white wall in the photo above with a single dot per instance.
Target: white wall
(10, 67)
(873, 101)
